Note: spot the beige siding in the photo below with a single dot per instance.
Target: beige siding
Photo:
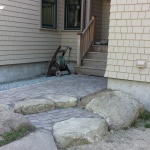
(87, 12)
(105, 19)
(69, 38)
(21, 40)
(97, 12)
(129, 40)
(101, 10)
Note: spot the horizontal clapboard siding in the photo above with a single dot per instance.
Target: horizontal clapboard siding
(105, 19)
(21, 40)
(69, 38)
(97, 12)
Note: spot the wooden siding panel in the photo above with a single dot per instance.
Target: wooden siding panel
(21, 40)
(97, 12)
(70, 39)
(105, 19)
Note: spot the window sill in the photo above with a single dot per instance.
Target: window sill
(71, 30)
(47, 29)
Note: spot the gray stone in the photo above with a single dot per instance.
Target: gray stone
(5, 107)
(39, 140)
(33, 106)
(119, 109)
(11, 121)
(62, 101)
(79, 131)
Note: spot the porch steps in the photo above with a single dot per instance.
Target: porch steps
(95, 61)
(90, 71)
(96, 55)
(99, 48)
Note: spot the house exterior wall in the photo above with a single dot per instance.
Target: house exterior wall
(21, 39)
(69, 37)
(23, 42)
(101, 10)
(129, 40)
(97, 12)
(105, 19)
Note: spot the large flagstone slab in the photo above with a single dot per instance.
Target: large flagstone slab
(33, 106)
(62, 101)
(119, 109)
(79, 131)
(39, 140)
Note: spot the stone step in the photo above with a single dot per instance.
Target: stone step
(90, 71)
(44, 103)
(94, 63)
(99, 48)
(79, 131)
(96, 55)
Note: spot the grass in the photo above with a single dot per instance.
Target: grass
(145, 116)
(144, 120)
(14, 135)
(134, 123)
(147, 125)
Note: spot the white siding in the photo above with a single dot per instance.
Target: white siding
(105, 19)
(101, 10)
(129, 40)
(97, 12)
(21, 40)
(68, 38)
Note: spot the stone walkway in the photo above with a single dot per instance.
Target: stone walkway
(74, 85)
(46, 120)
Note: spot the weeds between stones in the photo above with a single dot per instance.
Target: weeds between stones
(14, 135)
(144, 120)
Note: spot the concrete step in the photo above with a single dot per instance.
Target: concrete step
(94, 63)
(96, 55)
(90, 71)
(99, 48)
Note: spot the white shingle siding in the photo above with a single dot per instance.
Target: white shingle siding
(129, 40)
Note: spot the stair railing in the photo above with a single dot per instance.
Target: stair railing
(85, 40)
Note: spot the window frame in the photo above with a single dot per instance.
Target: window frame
(48, 27)
(65, 18)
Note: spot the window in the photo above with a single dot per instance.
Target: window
(73, 14)
(49, 13)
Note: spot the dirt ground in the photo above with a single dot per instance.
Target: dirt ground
(131, 139)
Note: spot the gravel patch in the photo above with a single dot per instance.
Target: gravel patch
(25, 82)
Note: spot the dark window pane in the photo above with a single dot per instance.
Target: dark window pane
(73, 2)
(49, 13)
(73, 14)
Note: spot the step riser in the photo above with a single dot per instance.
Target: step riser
(99, 56)
(92, 72)
(95, 64)
(99, 49)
